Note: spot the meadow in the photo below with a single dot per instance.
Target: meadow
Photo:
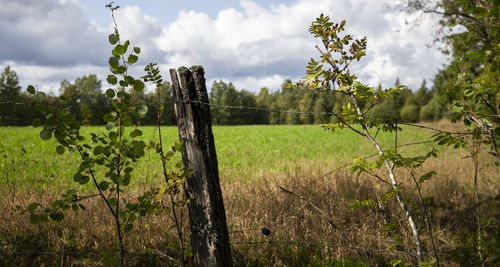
(253, 162)
(243, 151)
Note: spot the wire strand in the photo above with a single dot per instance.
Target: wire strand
(310, 113)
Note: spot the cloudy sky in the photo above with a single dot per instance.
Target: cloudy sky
(252, 43)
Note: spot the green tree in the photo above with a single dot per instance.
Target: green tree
(423, 95)
(410, 113)
(225, 94)
(471, 84)
(336, 55)
(9, 85)
(9, 92)
(88, 102)
(264, 100)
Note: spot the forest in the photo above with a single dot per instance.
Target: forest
(86, 99)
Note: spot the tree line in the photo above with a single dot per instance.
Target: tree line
(87, 101)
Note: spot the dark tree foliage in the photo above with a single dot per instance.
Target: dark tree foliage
(86, 99)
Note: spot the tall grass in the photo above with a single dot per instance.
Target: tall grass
(242, 151)
(253, 162)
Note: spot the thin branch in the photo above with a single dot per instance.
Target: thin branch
(324, 245)
(97, 185)
(367, 157)
(345, 123)
(494, 149)
(426, 217)
(330, 221)
(475, 155)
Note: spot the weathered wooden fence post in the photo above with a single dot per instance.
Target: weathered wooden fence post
(209, 235)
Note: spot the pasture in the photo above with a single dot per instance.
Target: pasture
(253, 162)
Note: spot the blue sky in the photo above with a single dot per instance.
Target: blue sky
(252, 43)
(167, 11)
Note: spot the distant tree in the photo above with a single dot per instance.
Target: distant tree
(85, 98)
(410, 113)
(423, 95)
(9, 92)
(264, 100)
(9, 85)
(222, 93)
(433, 110)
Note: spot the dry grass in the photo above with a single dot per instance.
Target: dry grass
(257, 203)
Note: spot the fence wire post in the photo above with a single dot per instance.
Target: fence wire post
(209, 235)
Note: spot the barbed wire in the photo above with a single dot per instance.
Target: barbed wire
(324, 245)
(332, 246)
(241, 107)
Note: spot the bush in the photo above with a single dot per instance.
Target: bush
(410, 113)
(433, 110)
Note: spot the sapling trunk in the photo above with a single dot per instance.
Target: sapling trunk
(427, 219)
(178, 223)
(394, 183)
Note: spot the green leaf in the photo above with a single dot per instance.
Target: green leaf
(138, 85)
(113, 38)
(112, 201)
(426, 177)
(34, 219)
(123, 83)
(128, 228)
(113, 136)
(142, 110)
(104, 185)
(132, 59)
(135, 133)
(110, 93)
(46, 134)
(126, 120)
(458, 109)
(109, 117)
(60, 149)
(114, 61)
(112, 79)
(98, 150)
(110, 125)
(468, 92)
(119, 50)
(56, 216)
(84, 179)
(32, 207)
(137, 50)
(119, 70)
(31, 89)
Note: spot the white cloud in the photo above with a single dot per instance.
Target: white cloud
(141, 29)
(256, 43)
(46, 32)
(48, 78)
(47, 41)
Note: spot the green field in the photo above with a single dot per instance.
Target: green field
(242, 151)
(253, 162)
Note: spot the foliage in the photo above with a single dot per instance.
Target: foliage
(88, 103)
(9, 85)
(332, 71)
(9, 91)
(116, 150)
